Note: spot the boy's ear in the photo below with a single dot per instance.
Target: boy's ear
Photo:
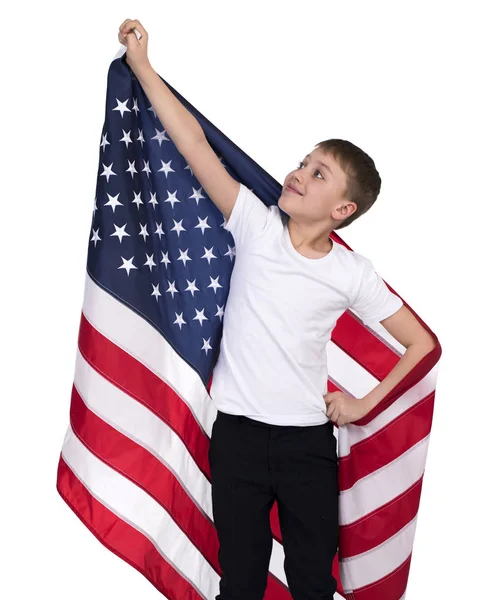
(346, 209)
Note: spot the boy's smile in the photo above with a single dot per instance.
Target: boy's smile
(292, 189)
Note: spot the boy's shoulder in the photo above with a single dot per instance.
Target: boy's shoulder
(355, 259)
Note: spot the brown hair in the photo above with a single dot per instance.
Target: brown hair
(363, 182)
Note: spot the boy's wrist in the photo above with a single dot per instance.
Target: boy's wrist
(140, 68)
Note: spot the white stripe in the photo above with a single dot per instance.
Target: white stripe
(121, 51)
(371, 566)
(347, 373)
(139, 509)
(276, 567)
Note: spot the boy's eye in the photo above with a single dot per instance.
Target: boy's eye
(301, 164)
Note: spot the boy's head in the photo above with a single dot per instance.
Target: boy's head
(335, 194)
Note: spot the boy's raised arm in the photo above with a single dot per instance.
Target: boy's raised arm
(182, 127)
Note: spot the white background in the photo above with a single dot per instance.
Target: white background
(402, 81)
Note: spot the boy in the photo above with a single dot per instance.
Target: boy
(273, 436)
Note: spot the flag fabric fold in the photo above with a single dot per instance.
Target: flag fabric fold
(134, 463)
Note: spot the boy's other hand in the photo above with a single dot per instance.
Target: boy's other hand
(343, 409)
(137, 54)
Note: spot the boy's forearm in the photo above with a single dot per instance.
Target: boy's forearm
(413, 355)
(180, 124)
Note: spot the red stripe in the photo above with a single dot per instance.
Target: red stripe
(364, 346)
(121, 538)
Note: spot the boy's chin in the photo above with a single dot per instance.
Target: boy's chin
(286, 206)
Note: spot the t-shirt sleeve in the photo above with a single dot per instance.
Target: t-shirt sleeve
(374, 302)
(248, 217)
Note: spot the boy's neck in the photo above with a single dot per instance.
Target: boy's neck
(310, 241)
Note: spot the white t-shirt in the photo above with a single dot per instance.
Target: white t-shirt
(279, 315)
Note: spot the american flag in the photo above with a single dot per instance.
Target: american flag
(134, 463)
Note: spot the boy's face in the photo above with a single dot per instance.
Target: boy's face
(322, 187)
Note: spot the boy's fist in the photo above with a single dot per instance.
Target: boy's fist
(136, 45)
(343, 409)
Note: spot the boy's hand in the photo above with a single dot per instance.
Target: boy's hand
(343, 409)
(137, 56)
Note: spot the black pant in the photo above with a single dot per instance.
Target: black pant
(254, 464)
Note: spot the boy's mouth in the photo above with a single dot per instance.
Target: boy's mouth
(289, 188)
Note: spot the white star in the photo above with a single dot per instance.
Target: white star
(151, 108)
(172, 198)
(140, 137)
(214, 283)
(159, 231)
(166, 168)
(95, 208)
(184, 256)
(172, 288)
(120, 232)
(137, 200)
(188, 167)
(179, 320)
(197, 195)
(135, 108)
(107, 172)
(126, 138)
(156, 292)
(220, 312)
(146, 167)
(224, 223)
(104, 141)
(160, 137)
(203, 224)
(206, 345)
(150, 262)
(165, 258)
(113, 202)
(122, 107)
(153, 199)
(96, 238)
(131, 168)
(191, 287)
(231, 252)
(127, 264)
(143, 231)
(178, 227)
(208, 254)
(200, 316)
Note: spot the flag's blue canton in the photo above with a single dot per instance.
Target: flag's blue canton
(157, 242)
